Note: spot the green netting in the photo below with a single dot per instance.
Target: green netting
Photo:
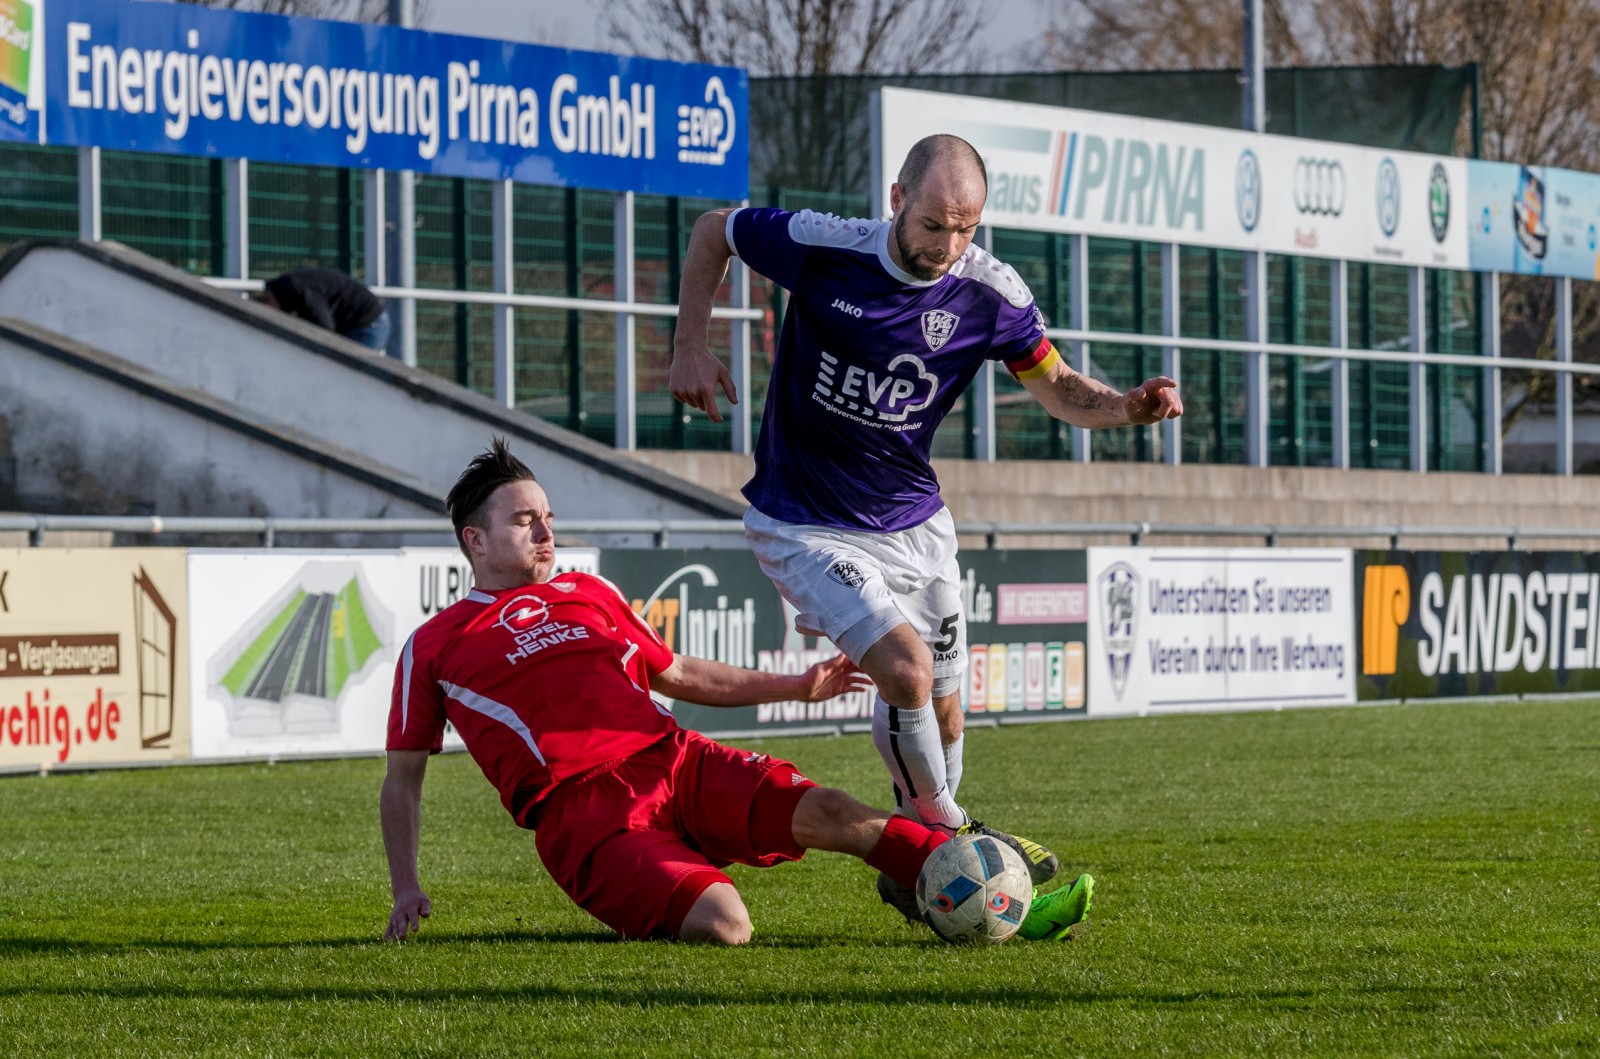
(167, 206)
(38, 193)
(306, 215)
(172, 208)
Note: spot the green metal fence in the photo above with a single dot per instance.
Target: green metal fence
(172, 208)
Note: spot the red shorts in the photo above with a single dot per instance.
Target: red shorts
(636, 846)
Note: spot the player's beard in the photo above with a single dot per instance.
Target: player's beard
(908, 256)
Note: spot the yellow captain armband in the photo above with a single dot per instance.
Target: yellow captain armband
(1035, 365)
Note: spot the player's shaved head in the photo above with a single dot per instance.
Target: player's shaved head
(469, 497)
(955, 160)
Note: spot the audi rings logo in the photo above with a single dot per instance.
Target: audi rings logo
(1388, 196)
(1319, 187)
(1247, 190)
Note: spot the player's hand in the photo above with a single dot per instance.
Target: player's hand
(830, 677)
(694, 379)
(1152, 401)
(410, 909)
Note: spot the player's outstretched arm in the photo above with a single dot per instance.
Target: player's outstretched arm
(708, 683)
(696, 373)
(400, 808)
(1084, 402)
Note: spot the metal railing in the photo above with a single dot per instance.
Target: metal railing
(661, 531)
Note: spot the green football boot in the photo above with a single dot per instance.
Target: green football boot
(1051, 915)
(1042, 864)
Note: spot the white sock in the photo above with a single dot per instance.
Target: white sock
(908, 742)
(952, 764)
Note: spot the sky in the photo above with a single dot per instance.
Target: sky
(578, 23)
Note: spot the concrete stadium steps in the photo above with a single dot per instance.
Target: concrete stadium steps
(1038, 491)
(82, 431)
(269, 365)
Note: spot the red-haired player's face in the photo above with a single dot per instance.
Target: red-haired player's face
(516, 545)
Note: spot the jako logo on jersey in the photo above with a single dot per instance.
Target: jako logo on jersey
(847, 574)
(937, 327)
(527, 619)
(846, 308)
(862, 392)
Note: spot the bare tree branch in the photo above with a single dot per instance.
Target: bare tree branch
(799, 38)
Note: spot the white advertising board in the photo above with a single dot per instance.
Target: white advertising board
(1061, 170)
(1187, 629)
(293, 652)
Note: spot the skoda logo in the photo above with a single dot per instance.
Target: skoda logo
(1439, 203)
(1319, 187)
(1247, 190)
(1388, 196)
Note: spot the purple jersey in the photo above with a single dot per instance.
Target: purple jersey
(869, 362)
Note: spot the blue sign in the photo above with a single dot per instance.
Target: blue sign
(1534, 220)
(180, 79)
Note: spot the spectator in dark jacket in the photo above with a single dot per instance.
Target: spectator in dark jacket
(332, 300)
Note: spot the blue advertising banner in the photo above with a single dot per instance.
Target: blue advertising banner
(1534, 220)
(180, 79)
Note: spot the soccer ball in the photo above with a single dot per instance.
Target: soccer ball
(974, 890)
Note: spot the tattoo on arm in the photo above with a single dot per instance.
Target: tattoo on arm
(1080, 392)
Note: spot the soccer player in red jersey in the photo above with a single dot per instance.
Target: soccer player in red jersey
(548, 679)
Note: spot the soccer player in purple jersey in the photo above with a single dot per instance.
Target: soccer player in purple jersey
(887, 324)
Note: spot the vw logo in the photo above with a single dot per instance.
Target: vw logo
(1388, 196)
(1319, 186)
(1247, 190)
(1439, 203)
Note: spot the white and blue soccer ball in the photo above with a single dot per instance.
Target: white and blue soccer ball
(974, 890)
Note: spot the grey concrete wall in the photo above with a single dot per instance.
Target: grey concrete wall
(275, 366)
(108, 441)
(1037, 491)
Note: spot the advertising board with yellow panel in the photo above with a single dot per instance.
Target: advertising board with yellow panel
(93, 657)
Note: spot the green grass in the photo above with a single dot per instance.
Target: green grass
(237, 678)
(1415, 880)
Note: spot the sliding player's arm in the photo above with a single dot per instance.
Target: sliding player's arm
(696, 372)
(400, 807)
(1075, 398)
(708, 683)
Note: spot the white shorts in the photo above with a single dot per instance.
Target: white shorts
(853, 587)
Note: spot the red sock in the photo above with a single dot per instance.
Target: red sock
(903, 848)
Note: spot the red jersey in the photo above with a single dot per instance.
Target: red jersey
(543, 682)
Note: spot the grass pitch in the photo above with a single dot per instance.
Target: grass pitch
(1386, 880)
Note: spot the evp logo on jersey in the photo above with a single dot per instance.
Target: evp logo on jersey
(885, 397)
(527, 619)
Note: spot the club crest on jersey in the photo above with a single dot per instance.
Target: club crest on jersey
(937, 327)
(847, 574)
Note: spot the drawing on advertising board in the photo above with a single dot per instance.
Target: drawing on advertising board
(287, 669)
(156, 638)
